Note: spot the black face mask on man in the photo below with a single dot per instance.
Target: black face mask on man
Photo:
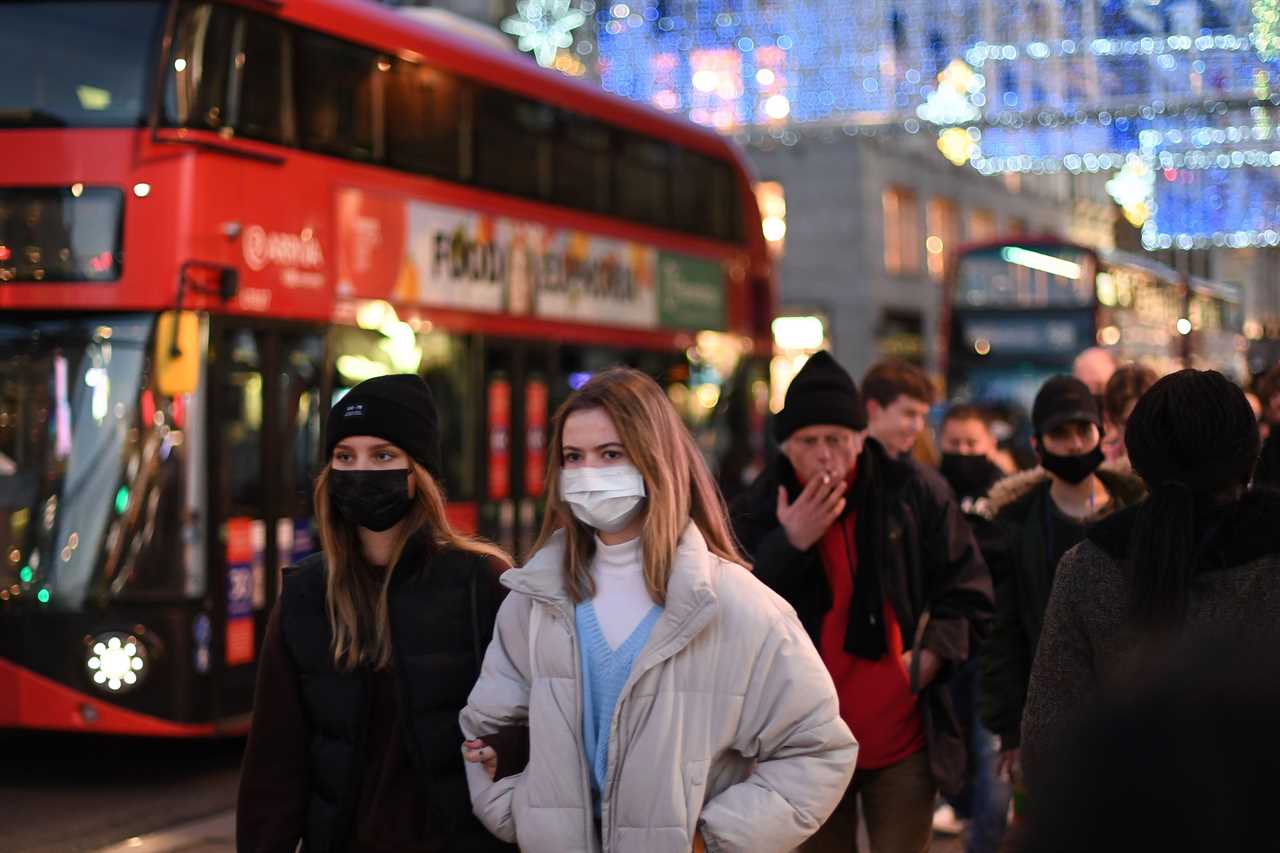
(971, 475)
(374, 500)
(1072, 469)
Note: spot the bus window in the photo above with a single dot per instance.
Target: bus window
(242, 424)
(726, 211)
(513, 136)
(93, 477)
(262, 94)
(303, 410)
(580, 172)
(446, 367)
(196, 95)
(334, 85)
(704, 198)
(77, 64)
(424, 120)
(692, 196)
(53, 234)
(643, 192)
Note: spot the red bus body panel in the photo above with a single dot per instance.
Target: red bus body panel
(29, 700)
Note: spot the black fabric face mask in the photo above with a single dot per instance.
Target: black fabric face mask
(1072, 469)
(374, 500)
(972, 476)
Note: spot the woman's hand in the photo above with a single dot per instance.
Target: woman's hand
(478, 752)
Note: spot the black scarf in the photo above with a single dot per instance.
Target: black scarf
(865, 635)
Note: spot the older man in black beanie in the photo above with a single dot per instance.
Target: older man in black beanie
(876, 558)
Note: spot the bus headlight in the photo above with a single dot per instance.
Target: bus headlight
(117, 662)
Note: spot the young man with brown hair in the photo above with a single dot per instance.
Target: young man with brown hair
(898, 396)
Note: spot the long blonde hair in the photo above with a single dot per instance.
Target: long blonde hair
(679, 486)
(356, 598)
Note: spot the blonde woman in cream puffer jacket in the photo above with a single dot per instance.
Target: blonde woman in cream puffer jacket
(728, 725)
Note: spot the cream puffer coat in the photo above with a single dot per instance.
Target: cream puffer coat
(728, 724)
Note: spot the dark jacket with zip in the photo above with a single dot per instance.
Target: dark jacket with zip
(930, 571)
(442, 610)
(1093, 650)
(1016, 549)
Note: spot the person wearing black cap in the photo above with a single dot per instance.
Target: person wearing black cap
(371, 650)
(1037, 516)
(874, 555)
(1196, 564)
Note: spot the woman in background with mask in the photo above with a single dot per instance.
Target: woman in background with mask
(674, 703)
(1038, 516)
(371, 650)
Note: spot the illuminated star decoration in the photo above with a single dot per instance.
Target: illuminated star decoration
(958, 98)
(544, 27)
(1133, 188)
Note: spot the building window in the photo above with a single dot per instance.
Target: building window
(982, 225)
(944, 233)
(901, 231)
(773, 215)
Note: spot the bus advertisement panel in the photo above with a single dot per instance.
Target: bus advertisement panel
(450, 257)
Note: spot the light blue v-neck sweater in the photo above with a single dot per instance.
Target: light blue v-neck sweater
(604, 674)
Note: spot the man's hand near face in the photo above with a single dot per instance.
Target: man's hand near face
(820, 503)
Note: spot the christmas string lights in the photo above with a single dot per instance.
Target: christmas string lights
(828, 59)
(1171, 98)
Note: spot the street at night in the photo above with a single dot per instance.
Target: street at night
(639, 426)
(76, 792)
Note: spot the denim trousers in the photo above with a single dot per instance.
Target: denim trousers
(985, 798)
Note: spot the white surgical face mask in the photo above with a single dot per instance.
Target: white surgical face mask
(607, 499)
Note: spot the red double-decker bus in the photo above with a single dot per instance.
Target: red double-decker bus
(215, 217)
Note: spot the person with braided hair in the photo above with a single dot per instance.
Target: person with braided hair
(1200, 556)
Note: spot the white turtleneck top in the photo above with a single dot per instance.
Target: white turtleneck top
(621, 600)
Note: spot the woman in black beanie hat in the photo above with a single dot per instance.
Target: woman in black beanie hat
(1200, 555)
(372, 649)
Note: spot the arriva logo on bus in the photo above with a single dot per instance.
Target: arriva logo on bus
(264, 248)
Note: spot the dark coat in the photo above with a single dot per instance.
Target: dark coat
(442, 610)
(1091, 648)
(931, 572)
(1268, 470)
(1016, 551)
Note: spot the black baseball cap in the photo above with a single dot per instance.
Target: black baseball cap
(1064, 399)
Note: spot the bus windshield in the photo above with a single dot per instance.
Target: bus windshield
(69, 390)
(77, 63)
